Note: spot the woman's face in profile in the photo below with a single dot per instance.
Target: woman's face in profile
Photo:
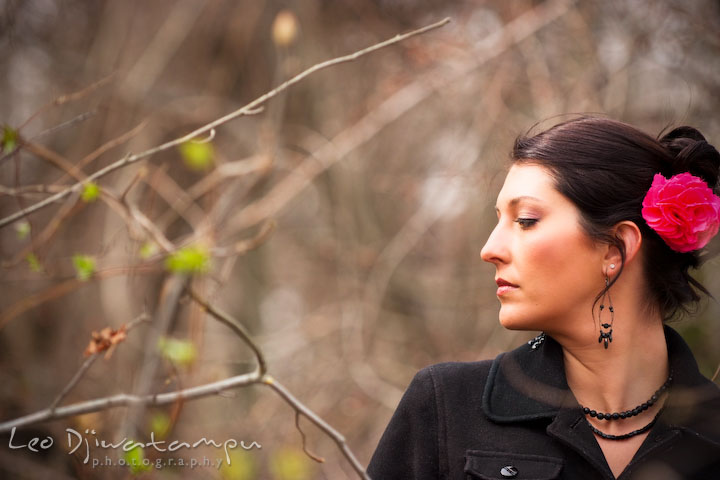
(547, 268)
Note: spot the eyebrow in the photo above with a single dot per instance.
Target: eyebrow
(517, 200)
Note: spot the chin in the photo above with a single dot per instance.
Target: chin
(511, 322)
(516, 321)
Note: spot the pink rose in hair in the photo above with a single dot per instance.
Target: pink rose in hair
(683, 210)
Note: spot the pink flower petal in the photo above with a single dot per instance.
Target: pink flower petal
(683, 210)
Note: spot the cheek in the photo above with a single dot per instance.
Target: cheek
(544, 257)
(556, 276)
(559, 265)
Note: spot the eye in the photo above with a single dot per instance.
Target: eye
(526, 222)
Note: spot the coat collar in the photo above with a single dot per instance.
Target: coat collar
(526, 384)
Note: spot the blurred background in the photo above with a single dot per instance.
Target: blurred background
(371, 185)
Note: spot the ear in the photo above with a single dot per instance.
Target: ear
(629, 234)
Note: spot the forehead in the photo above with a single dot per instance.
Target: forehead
(526, 180)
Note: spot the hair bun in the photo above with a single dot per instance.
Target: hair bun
(692, 153)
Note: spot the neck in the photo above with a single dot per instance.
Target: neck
(623, 376)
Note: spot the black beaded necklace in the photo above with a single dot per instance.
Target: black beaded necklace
(629, 413)
(644, 429)
(633, 411)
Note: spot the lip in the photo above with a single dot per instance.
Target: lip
(504, 286)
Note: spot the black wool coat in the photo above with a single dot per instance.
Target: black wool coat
(515, 418)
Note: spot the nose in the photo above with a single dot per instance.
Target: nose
(495, 249)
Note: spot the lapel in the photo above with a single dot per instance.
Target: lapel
(526, 384)
(529, 385)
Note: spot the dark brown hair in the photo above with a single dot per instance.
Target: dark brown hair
(605, 168)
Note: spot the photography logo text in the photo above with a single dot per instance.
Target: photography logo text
(91, 448)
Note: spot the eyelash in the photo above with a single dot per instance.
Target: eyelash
(526, 223)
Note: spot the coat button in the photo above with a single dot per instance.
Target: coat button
(508, 471)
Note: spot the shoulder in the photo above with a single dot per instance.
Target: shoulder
(448, 387)
(696, 410)
(694, 401)
(453, 372)
(439, 377)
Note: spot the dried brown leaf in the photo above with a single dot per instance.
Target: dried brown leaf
(105, 339)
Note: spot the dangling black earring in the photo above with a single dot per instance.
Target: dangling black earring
(606, 328)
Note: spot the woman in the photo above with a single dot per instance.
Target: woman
(598, 225)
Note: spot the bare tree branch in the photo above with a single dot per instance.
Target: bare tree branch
(142, 398)
(59, 290)
(250, 108)
(31, 189)
(391, 109)
(213, 388)
(124, 400)
(319, 422)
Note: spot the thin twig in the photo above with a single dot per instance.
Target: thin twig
(126, 211)
(304, 440)
(70, 208)
(56, 159)
(109, 145)
(238, 168)
(75, 379)
(235, 326)
(319, 422)
(72, 121)
(69, 97)
(243, 246)
(180, 203)
(140, 174)
(139, 226)
(56, 291)
(248, 109)
(207, 139)
(150, 227)
(69, 123)
(143, 317)
(208, 182)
